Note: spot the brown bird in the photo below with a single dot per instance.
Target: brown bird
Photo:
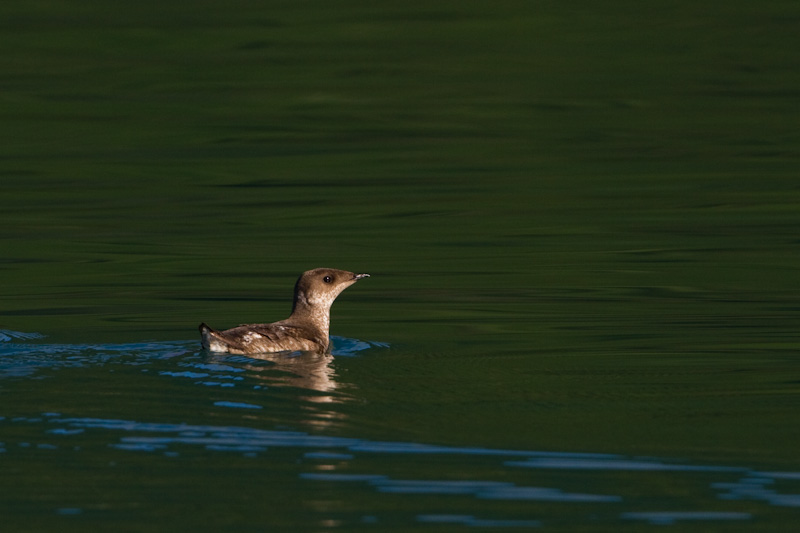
(305, 330)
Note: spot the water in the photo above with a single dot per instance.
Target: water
(582, 230)
(210, 441)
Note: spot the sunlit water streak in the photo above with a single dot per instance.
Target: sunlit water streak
(341, 461)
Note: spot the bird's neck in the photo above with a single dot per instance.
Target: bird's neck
(315, 316)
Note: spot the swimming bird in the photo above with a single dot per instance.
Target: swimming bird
(305, 330)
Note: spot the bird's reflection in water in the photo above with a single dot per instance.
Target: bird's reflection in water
(310, 371)
(308, 378)
(306, 371)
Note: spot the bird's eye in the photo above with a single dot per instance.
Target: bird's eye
(327, 279)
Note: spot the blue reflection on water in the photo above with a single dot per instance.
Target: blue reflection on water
(155, 437)
(471, 521)
(28, 359)
(238, 405)
(25, 355)
(669, 518)
(613, 463)
(7, 335)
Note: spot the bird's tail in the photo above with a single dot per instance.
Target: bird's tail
(206, 332)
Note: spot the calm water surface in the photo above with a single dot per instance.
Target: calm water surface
(582, 228)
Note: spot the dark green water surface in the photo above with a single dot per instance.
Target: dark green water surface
(582, 222)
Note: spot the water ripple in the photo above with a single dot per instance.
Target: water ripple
(22, 355)
(670, 518)
(170, 439)
(476, 478)
(471, 521)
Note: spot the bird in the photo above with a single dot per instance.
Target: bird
(306, 329)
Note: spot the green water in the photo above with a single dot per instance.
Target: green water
(582, 224)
